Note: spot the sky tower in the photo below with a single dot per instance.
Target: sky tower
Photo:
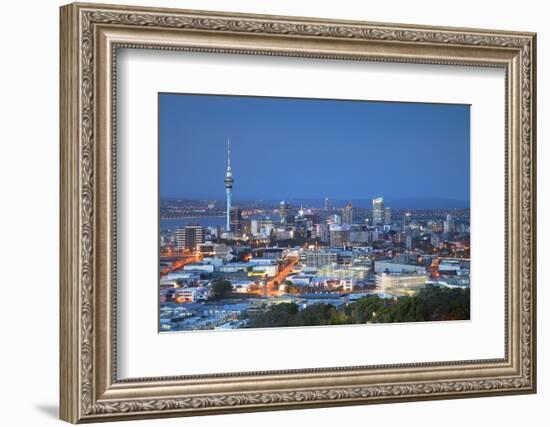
(228, 186)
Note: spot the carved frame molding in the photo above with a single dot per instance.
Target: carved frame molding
(90, 38)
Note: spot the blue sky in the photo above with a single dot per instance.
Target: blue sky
(301, 148)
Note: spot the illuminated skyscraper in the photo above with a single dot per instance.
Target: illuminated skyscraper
(189, 237)
(406, 220)
(377, 211)
(284, 211)
(236, 221)
(228, 187)
(387, 216)
(449, 224)
(347, 214)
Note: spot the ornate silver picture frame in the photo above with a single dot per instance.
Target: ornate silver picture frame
(91, 36)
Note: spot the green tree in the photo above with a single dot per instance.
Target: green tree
(406, 309)
(221, 288)
(315, 314)
(276, 315)
(365, 309)
(445, 303)
(429, 304)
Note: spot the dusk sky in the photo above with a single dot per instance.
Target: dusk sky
(311, 149)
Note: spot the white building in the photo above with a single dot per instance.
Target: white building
(449, 224)
(216, 262)
(378, 211)
(192, 294)
(265, 229)
(319, 258)
(401, 283)
(234, 267)
(180, 275)
(347, 284)
(450, 265)
(242, 286)
(291, 253)
(264, 270)
(393, 267)
(300, 280)
(262, 261)
(223, 251)
(199, 266)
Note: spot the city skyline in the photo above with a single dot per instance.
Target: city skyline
(225, 263)
(366, 203)
(202, 151)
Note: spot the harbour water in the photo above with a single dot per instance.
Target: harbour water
(205, 221)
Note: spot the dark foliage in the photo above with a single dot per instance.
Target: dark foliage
(220, 289)
(429, 304)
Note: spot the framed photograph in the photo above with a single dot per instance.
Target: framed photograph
(266, 213)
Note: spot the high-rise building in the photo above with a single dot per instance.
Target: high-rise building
(322, 232)
(266, 227)
(335, 219)
(327, 205)
(408, 242)
(377, 211)
(254, 227)
(236, 220)
(347, 214)
(313, 218)
(228, 187)
(339, 235)
(406, 220)
(246, 227)
(435, 240)
(360, 234)
(284, 210)
(387, 216)
(189, 237)
(449, 224)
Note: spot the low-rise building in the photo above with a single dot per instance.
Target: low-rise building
(388, 266)
(199, 266)
(450, 265)
(401, 284)
(223, 251)
(319, 258)
(234, 267)
(355, 272)
(216, 262)
(208, 248)
(269, 253)
(192, 294)
(181, 275)
(264, 270)
(300, 279)
(242, 286)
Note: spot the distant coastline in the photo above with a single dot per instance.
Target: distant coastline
(397, 203)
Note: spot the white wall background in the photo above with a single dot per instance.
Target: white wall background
(29, 170)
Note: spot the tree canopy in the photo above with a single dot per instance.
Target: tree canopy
(429, 304)
(221, 288)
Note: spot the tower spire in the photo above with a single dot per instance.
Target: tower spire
(229, 172)
(228, 187)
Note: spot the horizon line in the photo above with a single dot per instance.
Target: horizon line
(254, 198)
